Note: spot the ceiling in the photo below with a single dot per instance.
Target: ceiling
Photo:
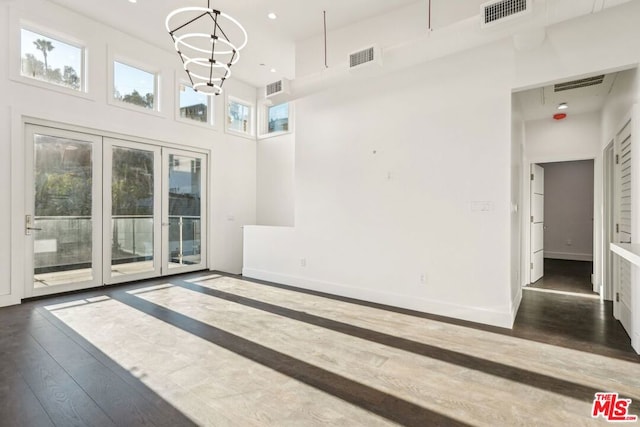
(271, 42)
(542, 103)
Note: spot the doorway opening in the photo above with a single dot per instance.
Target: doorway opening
(562, 206)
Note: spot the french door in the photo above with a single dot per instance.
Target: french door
(103, 210)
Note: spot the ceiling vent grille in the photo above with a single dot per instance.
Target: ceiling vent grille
(495, 12)
(274, 88)
(364, 57)
(577, 84)
(277, 91)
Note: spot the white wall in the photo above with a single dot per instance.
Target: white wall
(370, 225)
(275, 175)
(568, 210)
(383, 195)
(233, 159)
(574, 138)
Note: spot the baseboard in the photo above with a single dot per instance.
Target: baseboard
(473, 314)
(568, 256)
(515, 305)
(635, 342)
(7, 300)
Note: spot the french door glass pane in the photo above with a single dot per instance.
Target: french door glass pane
(132, 216)
(63, 246)
(184, 211)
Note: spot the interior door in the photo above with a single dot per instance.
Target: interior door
(132, 206)
(537, 222)
(63, 216)
(184, 211)
(622, 300)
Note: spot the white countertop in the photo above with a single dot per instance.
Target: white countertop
(628, 251)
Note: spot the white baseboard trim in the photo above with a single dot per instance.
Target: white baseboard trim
(7, 300)
(503, 319)
(515, 305)
(635, 342)
(568, 256)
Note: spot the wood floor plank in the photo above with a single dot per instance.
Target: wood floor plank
(124, 404)
(19, 406)
(61, 397)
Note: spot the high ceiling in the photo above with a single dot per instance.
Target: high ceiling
(271, 42)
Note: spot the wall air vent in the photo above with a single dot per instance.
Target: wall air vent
(281, 87)
(577, 84)
(365, 57)
(495, 12)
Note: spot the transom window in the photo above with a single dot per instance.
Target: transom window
(195, 106)
(133, 85)
(239, 117)
(278, 118)
(51, 60)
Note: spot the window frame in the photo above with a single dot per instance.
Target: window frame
(251, 133)
(212, 108)
(265, 105)
(111, 84)
(15, 59)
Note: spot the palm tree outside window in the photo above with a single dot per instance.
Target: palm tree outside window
(50, 60)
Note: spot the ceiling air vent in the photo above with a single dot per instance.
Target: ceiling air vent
(281, 87)
(577, 84)
(495, 12)
(279, 91)
(365, 57)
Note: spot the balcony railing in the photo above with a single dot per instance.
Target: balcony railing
(65, 242)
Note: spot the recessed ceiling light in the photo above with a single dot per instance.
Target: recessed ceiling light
(563, 106)
(273, 70)
(133, 1)
(272, 15)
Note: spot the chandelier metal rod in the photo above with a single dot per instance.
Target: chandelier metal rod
(185, 24)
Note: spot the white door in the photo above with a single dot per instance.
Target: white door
(622, 300)
(132, 206)
(607, 290)
(537, 222)
(63, 221)
(102, 211)
(184, 211)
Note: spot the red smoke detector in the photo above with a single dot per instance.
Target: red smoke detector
(559, 116)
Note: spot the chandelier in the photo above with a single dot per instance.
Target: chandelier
(208, 42)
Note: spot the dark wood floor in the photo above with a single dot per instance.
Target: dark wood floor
(566, 276)
(50, 375)
(571, 320)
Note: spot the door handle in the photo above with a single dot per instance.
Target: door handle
(28, 222)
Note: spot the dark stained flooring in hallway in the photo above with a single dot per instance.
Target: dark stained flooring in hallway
(215, 349)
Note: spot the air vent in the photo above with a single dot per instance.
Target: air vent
(495, 12)
(281, 87)
(364, 57)
(577, 84)
(274, 88)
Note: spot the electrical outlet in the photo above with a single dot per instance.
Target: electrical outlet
(303, 262)
(423, 278)
(569, 242)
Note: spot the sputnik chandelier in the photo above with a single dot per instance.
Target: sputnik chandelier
(208, 42)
